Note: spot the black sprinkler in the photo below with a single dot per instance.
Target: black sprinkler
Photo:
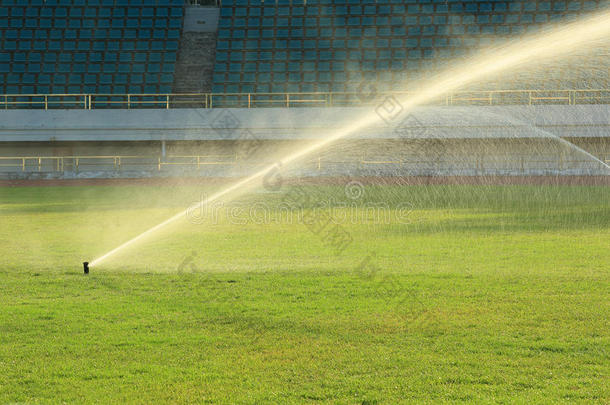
(86, 267)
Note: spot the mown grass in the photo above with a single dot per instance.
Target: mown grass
(480, 294)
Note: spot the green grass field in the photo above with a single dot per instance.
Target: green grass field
(478, 294)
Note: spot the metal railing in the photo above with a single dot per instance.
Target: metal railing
(290, 100)
(152, 163)
(76, 163)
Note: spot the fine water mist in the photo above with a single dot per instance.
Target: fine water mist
(519, 54)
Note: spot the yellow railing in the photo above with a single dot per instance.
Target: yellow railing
(287, 100)
(61, 163)
(78, 163)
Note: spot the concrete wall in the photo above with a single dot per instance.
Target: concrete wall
(234, 142)
(586, 121)
(357, 157)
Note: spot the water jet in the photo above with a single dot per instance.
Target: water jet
(489, 64)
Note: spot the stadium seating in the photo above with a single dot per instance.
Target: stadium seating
(121, 46)
(333, 45)
(88, 46)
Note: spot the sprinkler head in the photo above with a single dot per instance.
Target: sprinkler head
(86, 267)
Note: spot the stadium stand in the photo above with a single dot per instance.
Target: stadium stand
(129, 54)
(88, 46)
(333, 45)
(113, 47)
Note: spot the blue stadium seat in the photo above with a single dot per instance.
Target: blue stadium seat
(293, 39)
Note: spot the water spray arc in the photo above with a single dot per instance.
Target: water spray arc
(550, 135)
(514, 54)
